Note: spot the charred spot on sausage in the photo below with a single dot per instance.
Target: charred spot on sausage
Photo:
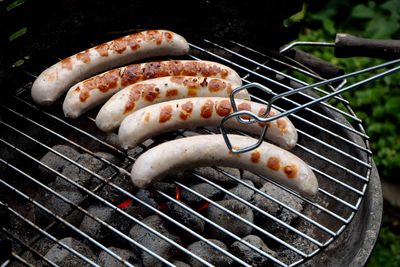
(274, 163)
(207, 109)
(224, 108)
(165, 114)
(290, 171)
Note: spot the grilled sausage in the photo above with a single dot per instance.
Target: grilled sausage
(201, 111)
(142, 94)
(210, 150)
(98, 89)
(57, 79)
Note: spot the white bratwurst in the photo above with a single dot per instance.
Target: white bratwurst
(56, 80)
(210, 150)
(201, 111)
(98, 89)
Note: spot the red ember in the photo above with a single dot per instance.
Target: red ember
(178, 191)
(125, 204)
(203, 206)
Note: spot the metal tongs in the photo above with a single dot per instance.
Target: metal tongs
(345, 46)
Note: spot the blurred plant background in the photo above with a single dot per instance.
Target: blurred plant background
(377, 104)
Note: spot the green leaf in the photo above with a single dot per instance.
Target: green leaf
(393, 6)
(393, 105)
(363, 12)
(17, 34)
(14, 4)
(382, 27)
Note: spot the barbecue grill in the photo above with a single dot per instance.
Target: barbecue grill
(66, 195)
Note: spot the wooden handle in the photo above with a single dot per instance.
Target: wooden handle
(350, 46)
(322, 67)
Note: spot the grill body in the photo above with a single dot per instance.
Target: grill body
(72, 26)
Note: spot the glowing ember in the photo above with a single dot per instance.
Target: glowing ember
(125, 204)
(203, 206)
(178, 191)
(162, 206)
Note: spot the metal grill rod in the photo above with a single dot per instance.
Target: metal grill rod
(283, 86)
(355, 208)
(131, 196)
(66, 200)
(27, 247)
(329, 178)
(77, 129)
(18, 258)
(237, 238)
(320, 226)
(126, 173)
(76, 253)
(306, 71)
(318, 127)
(241, 219)
(311, 239)
(334, 163)
(282, 74)
(295, 193)
(337, 92)
(111, 205)
(335, 149)
(66, 139)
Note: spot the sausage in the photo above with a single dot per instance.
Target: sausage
(201, 111)
(57, 79)
(142, 94)
(98, 89)
(210, 150)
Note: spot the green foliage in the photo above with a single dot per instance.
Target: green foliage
(388, 249)
(377, 103)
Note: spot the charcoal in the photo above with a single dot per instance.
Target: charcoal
(94, 228)
(274, 208)
(242, 191)
(112, 194)
(133, 152)
(249, 255)
(109, 216)
(63, 257)
(168, 188)
(145, 195)
(56, 162)
(185, 217)
(153, 242)
(106, 259)
(83, 177)
(204, 189)
(209, 254)
(227, 221)
(59, 206)
(179, 263)
(257, 180)
(41, 246)
(288, 256)
(105, 171)
(217, 176)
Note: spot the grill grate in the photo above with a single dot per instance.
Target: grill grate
(336, 149)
